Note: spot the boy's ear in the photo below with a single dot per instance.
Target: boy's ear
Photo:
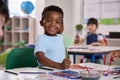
(41, 23)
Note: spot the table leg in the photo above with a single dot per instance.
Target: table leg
(92, 58)
(74, 58)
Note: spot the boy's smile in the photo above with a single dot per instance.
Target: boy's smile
(52, 23)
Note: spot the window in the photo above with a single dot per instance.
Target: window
(106, 11)
(15, 8)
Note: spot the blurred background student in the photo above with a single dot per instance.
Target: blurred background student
(92, 38)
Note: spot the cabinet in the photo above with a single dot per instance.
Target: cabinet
(18, 32)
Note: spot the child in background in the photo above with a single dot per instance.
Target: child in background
(49, 49)
(93, 39)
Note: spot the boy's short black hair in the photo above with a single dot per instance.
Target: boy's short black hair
(92, 21)
(52, 8)
(4, 10)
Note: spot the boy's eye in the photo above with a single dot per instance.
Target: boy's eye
(48, 20)
(58, 22)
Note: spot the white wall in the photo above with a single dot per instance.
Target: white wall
(40, 4)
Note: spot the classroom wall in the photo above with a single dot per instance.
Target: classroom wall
(40, 4)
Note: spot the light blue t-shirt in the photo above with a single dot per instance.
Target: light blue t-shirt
(52, 46)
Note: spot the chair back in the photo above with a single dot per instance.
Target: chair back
(21, 57)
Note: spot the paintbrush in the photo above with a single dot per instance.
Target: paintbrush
(111, 59)
(67, 56)
(87, 69)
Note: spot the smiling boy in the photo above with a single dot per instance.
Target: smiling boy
(49, 49)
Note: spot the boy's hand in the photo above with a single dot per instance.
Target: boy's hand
(65, 64)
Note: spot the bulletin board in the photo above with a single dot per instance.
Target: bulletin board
(106, 11)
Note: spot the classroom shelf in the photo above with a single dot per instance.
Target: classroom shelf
(18, 30)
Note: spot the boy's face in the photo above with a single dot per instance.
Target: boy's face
(52, 23)
(2, 22)
(92, 28)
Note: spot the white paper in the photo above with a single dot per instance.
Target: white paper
(111, 10)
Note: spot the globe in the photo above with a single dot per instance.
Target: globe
(27, 7)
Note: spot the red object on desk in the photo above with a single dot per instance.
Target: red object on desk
(76, 66)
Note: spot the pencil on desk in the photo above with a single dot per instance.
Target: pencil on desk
(33, 72)
(11, 72)
(66, 53)
(116, 77)
(46, 68)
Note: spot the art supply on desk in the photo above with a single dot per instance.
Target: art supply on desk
(45, 77)
(67, 74)
(106, 73)
(116, 77)
(44, 68)
(87, 69)
(32, 72)
(92, 75)
(67, 56)
(7, 71)
(117, 69)
(78, 47)
(77, 66)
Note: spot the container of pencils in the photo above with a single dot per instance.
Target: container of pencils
(91, 75)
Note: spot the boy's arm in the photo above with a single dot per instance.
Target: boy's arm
(47, 62)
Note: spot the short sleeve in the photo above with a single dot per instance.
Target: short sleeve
(40, 45)
(83, 36)
(100, 38)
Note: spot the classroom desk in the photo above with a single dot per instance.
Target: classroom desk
(8, 76)
(90, 50)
